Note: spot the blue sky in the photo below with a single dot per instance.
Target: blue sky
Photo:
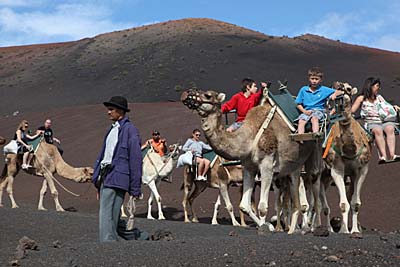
(373, 23)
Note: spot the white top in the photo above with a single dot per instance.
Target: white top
(198, 147)
(111, 142)
(369, 111)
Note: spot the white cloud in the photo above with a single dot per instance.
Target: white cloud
(388, 42)
(20, 3)
(65, 23)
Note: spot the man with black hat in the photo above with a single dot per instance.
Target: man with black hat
(118, 168)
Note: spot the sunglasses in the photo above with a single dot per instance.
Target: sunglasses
(197, 134)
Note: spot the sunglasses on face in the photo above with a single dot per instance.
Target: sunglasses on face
(197, 134)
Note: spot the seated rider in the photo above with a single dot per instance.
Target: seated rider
(158, 144)
(243, 101)
(311, 100)
(22, 138)
(197, 147)
(378, 123)
(49, 136)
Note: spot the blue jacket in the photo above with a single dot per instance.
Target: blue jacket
(126, 164)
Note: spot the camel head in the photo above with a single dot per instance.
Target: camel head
(174, 150)
(348, 92)
(204, 102)
(86, 175)
(2, 140)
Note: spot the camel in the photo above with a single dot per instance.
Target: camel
(218, 177)
(2, 140)
(262, 141)
(155, 168)
(46, 162)
(349, 155)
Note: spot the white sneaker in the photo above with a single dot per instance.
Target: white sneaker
(201, 178)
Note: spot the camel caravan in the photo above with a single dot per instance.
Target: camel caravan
(272, 146)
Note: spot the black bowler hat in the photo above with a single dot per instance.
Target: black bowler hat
(118, 102)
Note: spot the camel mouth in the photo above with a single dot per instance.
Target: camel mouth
(191, 99)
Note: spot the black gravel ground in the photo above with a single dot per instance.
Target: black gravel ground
(71, 239)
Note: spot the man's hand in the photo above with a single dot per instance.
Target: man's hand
(138, 197)
(57, 140)
(396, 107)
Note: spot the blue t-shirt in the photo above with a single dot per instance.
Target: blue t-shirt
(314, 100)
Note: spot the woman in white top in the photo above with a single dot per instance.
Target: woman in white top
(370, 101)
(197, 147)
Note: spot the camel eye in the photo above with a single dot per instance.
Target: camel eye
(208, 96)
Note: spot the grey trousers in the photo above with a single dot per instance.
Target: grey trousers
(111, 200)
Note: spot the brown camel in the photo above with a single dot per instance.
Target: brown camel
(46, 162)
(2, 140)
(218, 177)
(260, 145)
(349, 155)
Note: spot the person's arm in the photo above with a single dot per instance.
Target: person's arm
(145, 144)
(57, 140)
(303, 110)
(165, 145)
(135, 163)
(229, 105)
(186, 146)
(336, 94)
(19, 139)
(205, 146)
(34, 136)
(357, 103)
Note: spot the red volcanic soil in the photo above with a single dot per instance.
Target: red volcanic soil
(81, 130)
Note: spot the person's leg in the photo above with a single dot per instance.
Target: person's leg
(200, 167)
(315, 124)
(390, 140)
(25, 159)
(379, 141)
(206, 167)
(107, 229)
(30, 157)
(301, 126)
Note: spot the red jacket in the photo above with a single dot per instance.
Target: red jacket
(242, 104)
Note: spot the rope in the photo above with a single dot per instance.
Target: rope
(264, 126)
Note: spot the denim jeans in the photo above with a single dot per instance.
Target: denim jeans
(111, 200)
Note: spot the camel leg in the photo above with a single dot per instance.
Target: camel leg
(149, 203)
(2, 185)
(41, 195)
(214, 220)
(158, 198)
(337, 175)
(241, 213)
(325, 206)
(278, 208)
(245, 203)
(198, 189)
(356, 200)
(316, 219)
(10, 192)
(294, 190)
(187, 185)
(223, 189)
(49, 177)
(266, 171)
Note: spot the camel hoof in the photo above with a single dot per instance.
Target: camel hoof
(43, 209)
(244, 225)
(15, 207)
(235, 223)
(60, 210)
(187, 221)
(215, 222)
(1, 205)
(195, 220)
(150, 218)
(161, 217)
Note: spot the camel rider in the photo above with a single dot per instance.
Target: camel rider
(159, 144)
(49, 136)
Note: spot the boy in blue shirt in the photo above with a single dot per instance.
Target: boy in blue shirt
(311, 100)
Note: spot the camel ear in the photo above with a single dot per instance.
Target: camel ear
(354, 91)
(221, 97)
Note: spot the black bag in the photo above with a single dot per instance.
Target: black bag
(104, 170)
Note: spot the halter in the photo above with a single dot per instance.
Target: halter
(193, 99)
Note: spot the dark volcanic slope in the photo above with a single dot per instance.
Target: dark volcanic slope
(154, 63)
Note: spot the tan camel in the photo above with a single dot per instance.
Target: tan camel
(218, 177)
(46, 162)
(155, 168)
(259, 147)
(349, 155)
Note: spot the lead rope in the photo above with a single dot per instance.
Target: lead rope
(264, 126)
